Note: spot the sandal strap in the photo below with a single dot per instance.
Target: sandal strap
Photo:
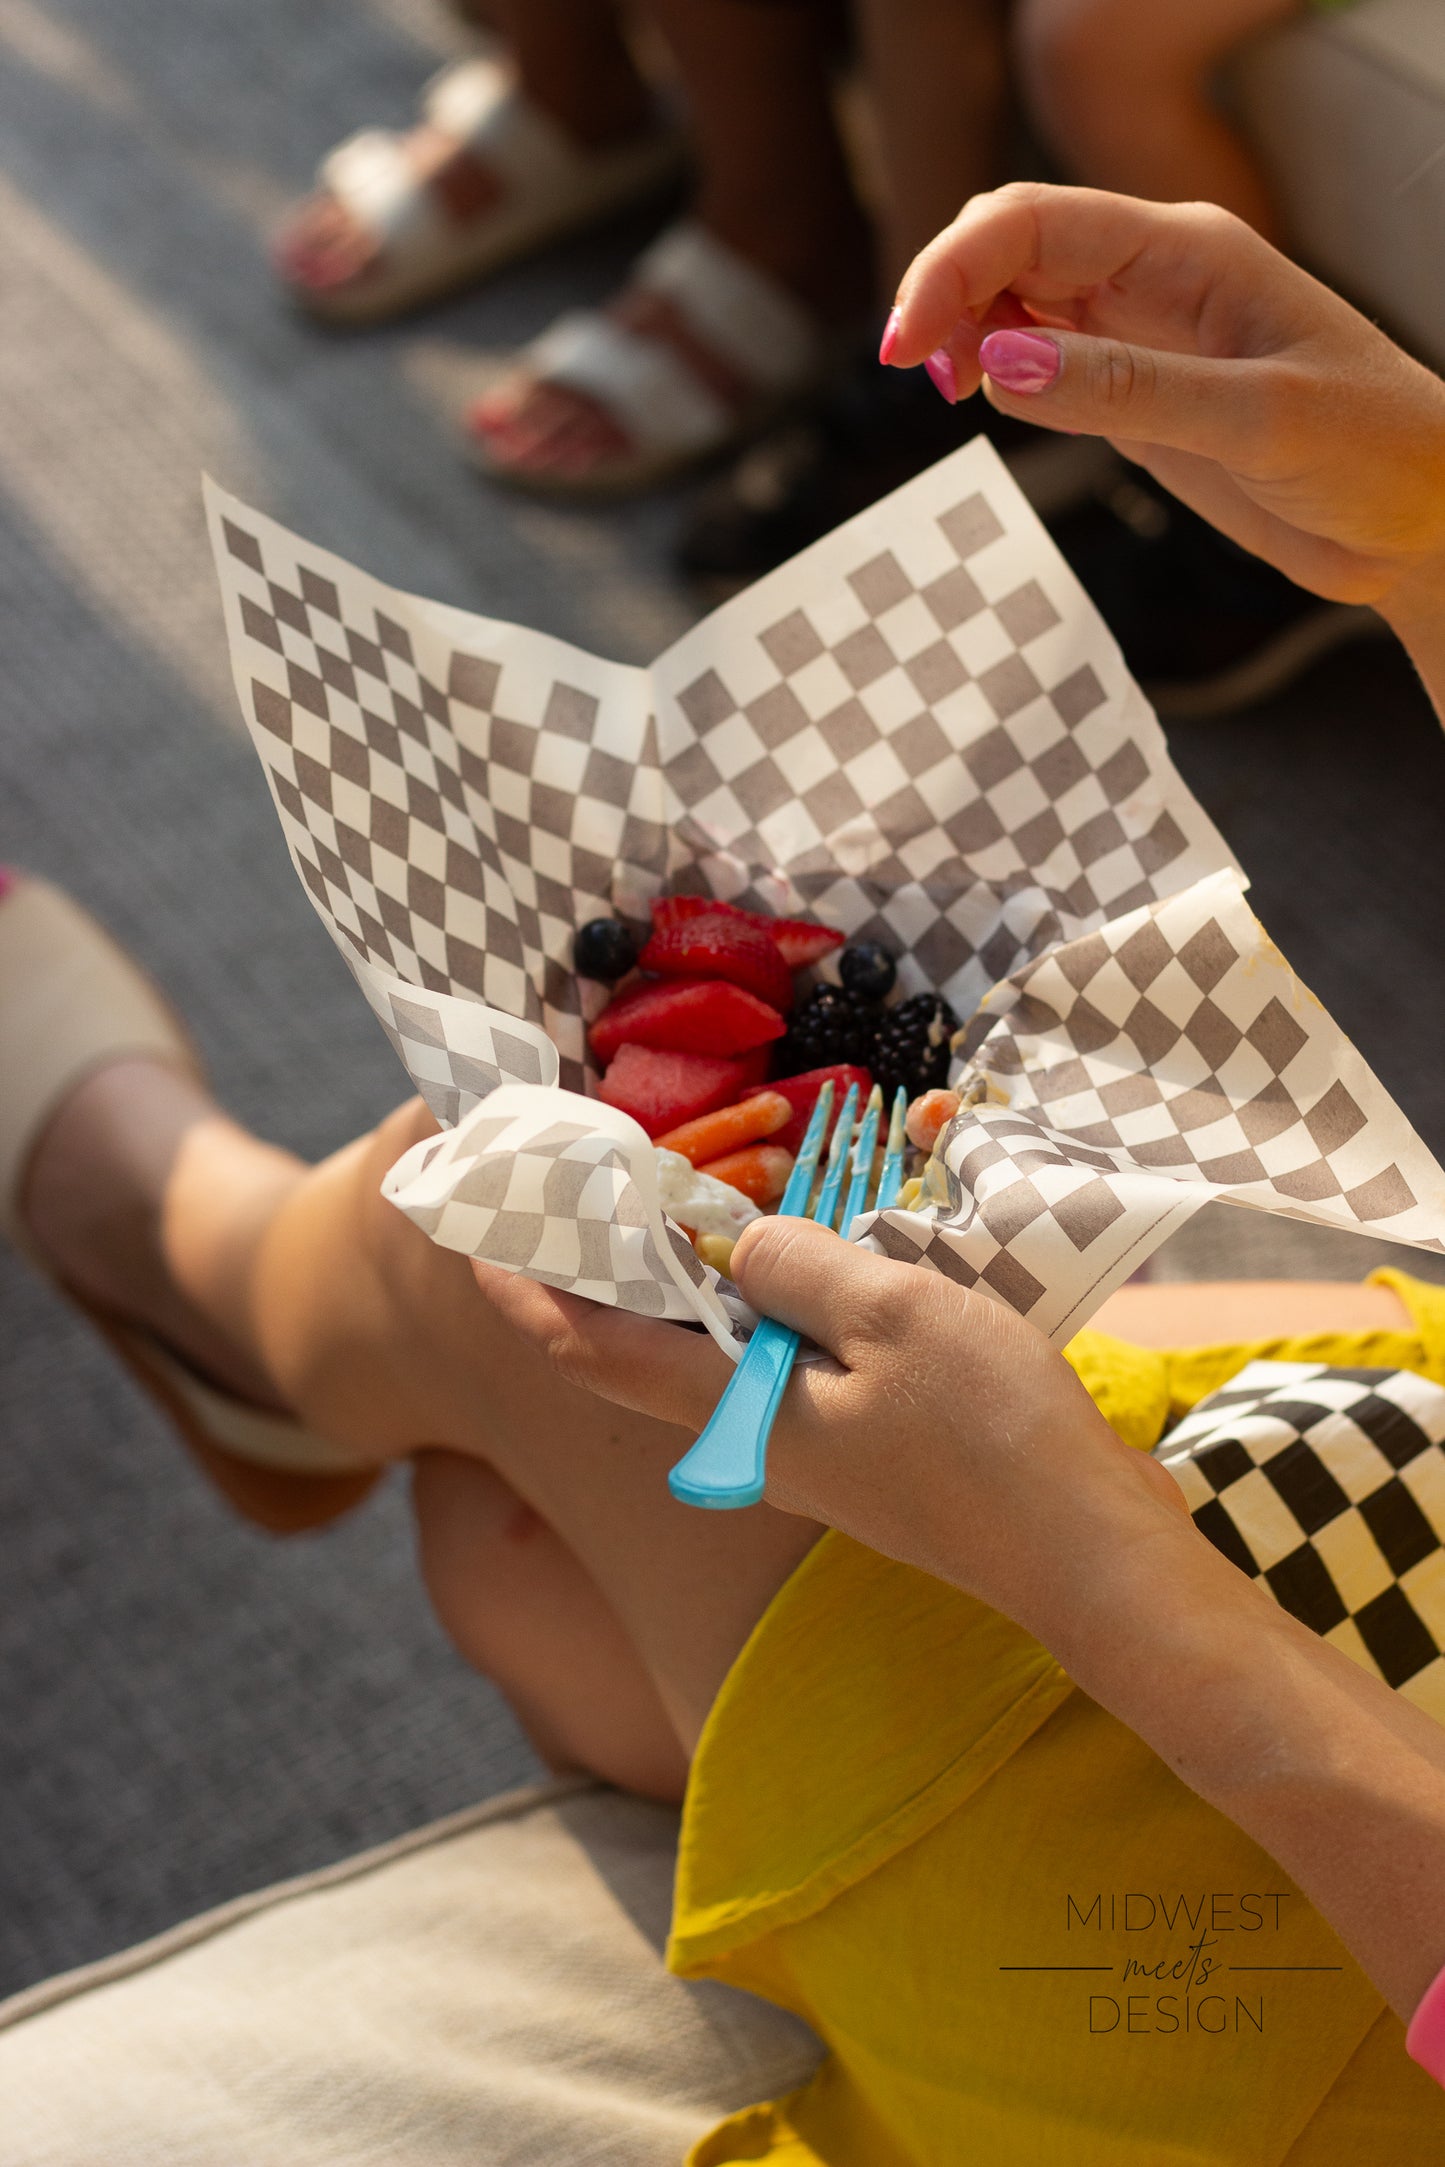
(643, 383)
(480, 106)
(73, 1002)
(764, 341)
(748, 319)
(372, 177)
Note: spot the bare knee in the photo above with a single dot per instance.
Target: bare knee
(520, 1607)
(340, 1282)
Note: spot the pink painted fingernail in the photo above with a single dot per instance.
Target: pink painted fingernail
(890, 337)
(942, 375)
(1021, 360)
(7, 881)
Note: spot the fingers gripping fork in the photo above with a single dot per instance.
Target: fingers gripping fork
(727, 1467)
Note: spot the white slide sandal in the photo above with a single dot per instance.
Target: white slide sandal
(711, 351)
(71, 1002)
(549, 187)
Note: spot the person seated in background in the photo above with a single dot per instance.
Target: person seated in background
(878, 1766)
(701, 346)
(738, 311)
(1125, 94)
(744, 317)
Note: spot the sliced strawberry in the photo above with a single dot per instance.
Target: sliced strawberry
(670, 910)
(719, 944)
(801, 1092)
(800, 942)
(662, 1090)
(686, 1015)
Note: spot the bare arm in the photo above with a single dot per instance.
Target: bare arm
(951, 1436)
(1330, 1772)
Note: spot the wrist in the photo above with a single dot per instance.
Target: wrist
(1122, 1550)
(1415, 609)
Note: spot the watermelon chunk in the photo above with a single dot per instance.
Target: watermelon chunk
(721, 944)
(662, 1090)
(801, 1092)
(686, 1015)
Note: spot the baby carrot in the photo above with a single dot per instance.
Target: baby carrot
(711, 1136)
(761, 1171)
(929, 1116)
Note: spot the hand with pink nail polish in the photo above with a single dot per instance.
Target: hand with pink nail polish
(1244, 385)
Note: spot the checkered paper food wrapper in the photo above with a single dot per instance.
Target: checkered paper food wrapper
(920, 732)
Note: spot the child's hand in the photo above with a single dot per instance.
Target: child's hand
(949, 1435)
(1245, 386)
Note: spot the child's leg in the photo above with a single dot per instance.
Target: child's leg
(937, 75)
(1122, 91)
(521, 1608)
(613, 1627)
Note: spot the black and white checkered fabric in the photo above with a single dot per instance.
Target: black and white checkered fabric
(919, 731)
(1328, 1487)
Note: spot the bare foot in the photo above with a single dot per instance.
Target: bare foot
(149, 1202)
(322, 244)
(532, 426)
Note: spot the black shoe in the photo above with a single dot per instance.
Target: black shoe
(875, 429)
(1206, 627)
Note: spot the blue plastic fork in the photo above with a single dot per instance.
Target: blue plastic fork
(727, 1467)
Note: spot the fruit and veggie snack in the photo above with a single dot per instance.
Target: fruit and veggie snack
(713, 1044)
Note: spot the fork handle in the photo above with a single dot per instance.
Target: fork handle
(727, 1466)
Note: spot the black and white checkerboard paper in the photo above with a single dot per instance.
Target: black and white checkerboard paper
(1165, 1058)
(919, 731)
(1328, 1487)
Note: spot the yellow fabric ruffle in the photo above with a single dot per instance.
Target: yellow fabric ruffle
(898, 1794)
(1141, 1391)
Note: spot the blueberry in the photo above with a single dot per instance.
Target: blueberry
(868, 969)
(604, 949)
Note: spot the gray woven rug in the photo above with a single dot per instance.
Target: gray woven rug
(186, 1709)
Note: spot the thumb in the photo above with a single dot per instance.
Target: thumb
(842, 1297)
(1105, 387)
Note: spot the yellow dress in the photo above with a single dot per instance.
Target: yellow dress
(1023, 1940)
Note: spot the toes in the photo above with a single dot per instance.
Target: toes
(321, 246)
(528, 427)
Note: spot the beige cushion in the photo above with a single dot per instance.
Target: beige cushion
(487, 1993)
(1348, 112)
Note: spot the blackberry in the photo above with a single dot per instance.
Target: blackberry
(832, 1026)
(911, 1045)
